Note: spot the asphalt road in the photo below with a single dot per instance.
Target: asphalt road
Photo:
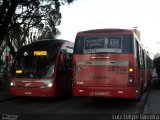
(79, 108)
(152, 105)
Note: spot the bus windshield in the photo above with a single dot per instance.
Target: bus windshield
(104, 44)
(36, 62)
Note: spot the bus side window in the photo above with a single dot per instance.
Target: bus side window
(141, 57)
(62, 66)
(65, 60)
(68, 50)
(144, 60)
(138, 54)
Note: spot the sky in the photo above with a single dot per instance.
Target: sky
(125, 14)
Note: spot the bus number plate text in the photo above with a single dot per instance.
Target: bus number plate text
(27, 93)
(100, 93)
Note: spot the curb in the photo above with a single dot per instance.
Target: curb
(5, 96)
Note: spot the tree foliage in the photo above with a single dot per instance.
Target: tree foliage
(19, 19)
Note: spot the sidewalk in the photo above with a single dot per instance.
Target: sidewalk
(5, 95)
(153, 103)
(4, 90)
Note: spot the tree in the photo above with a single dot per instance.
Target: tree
(7, 10)
(18, 17)
(157, 55)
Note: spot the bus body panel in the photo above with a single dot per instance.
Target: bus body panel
(36, 92)
(64, 83)
(103, 72)
(105, 75)
(62, 86)
(112, 92)
(107, 79)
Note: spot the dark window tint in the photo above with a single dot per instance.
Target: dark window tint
(37, 60)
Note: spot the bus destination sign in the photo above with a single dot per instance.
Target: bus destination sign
(40, 53)
(98, 44)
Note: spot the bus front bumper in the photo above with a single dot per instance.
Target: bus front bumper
(112, 92)
(36, 92)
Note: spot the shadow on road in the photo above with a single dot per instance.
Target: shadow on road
(155, 83)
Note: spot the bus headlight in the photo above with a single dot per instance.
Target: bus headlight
(47, 84)
(50, 84)
(11, 84)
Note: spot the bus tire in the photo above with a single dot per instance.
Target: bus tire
(141, 92)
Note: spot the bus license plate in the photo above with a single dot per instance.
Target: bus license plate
(101, 93)
(27, 93)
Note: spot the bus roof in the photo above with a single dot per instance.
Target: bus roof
(50, 41)
(46, 42)
(107, 30)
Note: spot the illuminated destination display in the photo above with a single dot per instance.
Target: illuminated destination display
(40, 53)
(97, 44)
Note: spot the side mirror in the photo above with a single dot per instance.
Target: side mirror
(62, 66)
(62, 57)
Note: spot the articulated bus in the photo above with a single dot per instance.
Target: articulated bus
(43, 69)
(110, 63)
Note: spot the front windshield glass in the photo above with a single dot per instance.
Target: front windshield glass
(36, 62)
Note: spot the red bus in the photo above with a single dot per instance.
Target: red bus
(44, 69)
(110, 63)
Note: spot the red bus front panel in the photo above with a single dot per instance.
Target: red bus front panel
(32, 87)
(36, 92)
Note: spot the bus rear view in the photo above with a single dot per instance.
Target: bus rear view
(104, 63)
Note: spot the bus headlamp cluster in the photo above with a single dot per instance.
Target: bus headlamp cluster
(12, 84)
(48, 85)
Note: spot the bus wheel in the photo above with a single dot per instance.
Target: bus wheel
(140, 94)
(139, 98)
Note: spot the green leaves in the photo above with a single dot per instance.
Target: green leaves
(30, 20)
